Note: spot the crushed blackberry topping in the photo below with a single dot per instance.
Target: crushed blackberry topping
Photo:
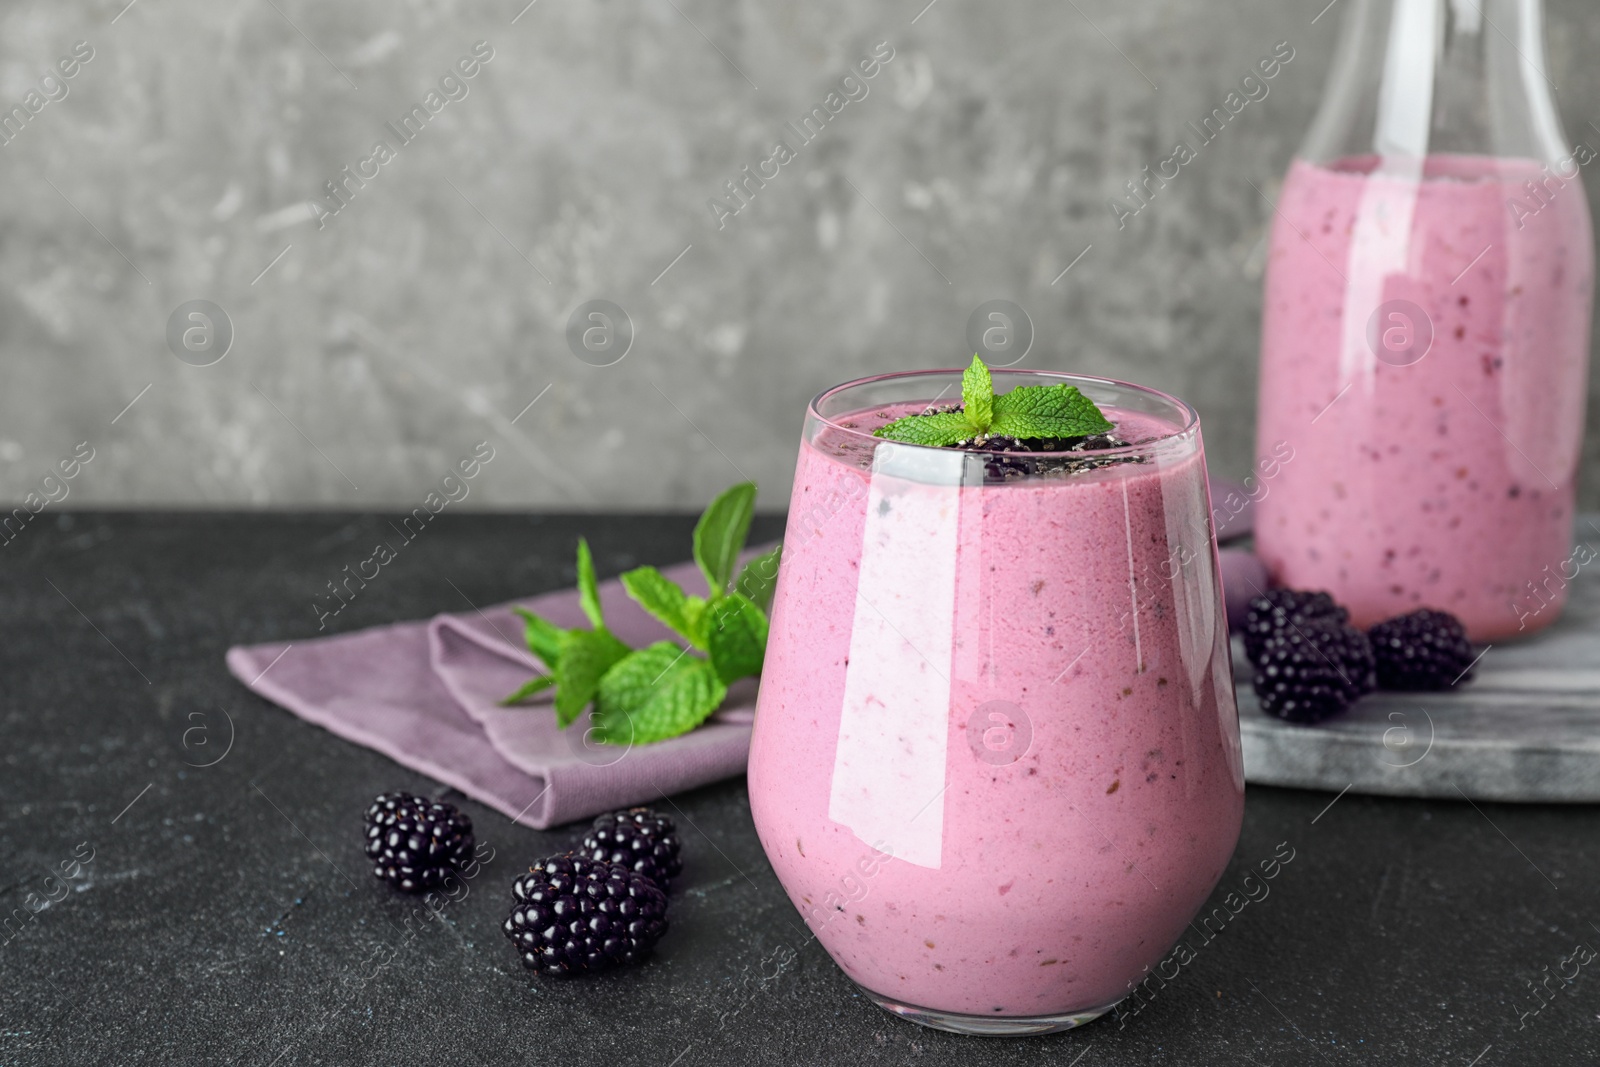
(1011, 459)
(1011, 455)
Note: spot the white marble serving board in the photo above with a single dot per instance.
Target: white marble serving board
(1526, 728)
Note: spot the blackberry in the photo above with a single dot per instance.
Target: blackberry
(639, 840)
(1306, 674)
(575, 915)
(1011, 454)
(1283, 609)
(415, 842)
(1423, 650)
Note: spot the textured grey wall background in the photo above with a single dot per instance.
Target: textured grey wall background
(371, 354)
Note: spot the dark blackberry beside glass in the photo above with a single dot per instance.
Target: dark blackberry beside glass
(1308, 673)
(415, 843)
(1425, 650)
(572, 915)
(639, 839)
(1285, 609)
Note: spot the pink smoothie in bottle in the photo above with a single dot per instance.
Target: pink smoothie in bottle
(995, 761)
(1420, 343)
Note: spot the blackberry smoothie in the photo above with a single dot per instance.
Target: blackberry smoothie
(995, 761)
(1425, 474)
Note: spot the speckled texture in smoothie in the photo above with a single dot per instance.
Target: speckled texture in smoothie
(1446, 483)
(995, 761)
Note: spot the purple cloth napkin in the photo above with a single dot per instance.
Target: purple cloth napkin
(424, 694)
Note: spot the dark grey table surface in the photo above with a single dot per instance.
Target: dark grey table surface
(227, 915)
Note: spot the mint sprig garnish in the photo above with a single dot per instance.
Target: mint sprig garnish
(650, 694)
(935, 430)
(1028, 412)
(977, 394)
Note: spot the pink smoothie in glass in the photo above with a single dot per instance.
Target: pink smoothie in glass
(995, 761)
(1446, 482)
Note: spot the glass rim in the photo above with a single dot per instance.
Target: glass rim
(1191, 417)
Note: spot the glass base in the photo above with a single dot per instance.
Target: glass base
(989, 1025)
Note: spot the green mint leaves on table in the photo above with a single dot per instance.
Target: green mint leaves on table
(575, 659)
(649, 694)
(1026, 412)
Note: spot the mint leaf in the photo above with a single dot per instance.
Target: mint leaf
(586, 655)
(543, 637)
(720, 534)
(655, 693)
(977, 394)
(661, 691)
(588, 588)
(530, 687)
(933, 430)
(1028, 411)
(1047, 411)
(694, 613)
(544, 641)
(662, 598)
(737, 637)
(759, 578)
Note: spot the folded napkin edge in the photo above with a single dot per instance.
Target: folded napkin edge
(241, 662)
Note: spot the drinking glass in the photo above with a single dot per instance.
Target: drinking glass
(996, 756)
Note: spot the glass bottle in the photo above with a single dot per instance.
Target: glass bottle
(1425, 335)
